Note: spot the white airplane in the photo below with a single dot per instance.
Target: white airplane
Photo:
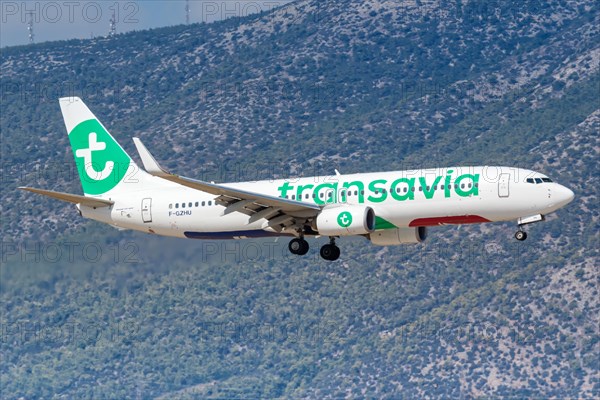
(388, 208)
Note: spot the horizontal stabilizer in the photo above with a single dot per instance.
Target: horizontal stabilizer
(72, 198)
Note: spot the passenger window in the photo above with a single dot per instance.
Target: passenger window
(314, 195)
(182, 205)
(469, 186)
(462, 185)
(476, 184)
(196, 204)
(405, 190)
(210, 203)
(307, 196)
(420, 188)
(356, 192)
(170, 206)
(176, 205)
(428, 188)
(293, 197)
(203, 203)
(321, 195)
(190, 204)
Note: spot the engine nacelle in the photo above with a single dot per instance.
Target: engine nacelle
(346, 220)
(392, 237)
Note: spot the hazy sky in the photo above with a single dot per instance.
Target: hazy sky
(68, 19)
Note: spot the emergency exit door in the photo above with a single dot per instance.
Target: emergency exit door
(147, 210)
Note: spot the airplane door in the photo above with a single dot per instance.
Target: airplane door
(146, 210)
(503, 185)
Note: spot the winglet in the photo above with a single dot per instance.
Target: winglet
(150, 163)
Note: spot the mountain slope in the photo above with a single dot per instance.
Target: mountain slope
(359, 86)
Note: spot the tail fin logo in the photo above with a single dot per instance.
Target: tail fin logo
(101, 162)
(86, 154)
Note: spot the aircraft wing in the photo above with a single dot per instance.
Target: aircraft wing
(71, 198)
(276, 210)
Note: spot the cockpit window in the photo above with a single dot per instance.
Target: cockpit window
(537, 180)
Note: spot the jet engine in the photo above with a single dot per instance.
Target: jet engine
(392, 237)
(346, 220)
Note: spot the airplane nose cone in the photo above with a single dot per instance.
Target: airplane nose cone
(564, 195)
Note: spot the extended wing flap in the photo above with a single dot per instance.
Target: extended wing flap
(71, 198)
(285, 205)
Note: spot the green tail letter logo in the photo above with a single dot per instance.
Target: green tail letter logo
(101, 162)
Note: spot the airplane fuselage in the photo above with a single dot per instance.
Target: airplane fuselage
(400, 199)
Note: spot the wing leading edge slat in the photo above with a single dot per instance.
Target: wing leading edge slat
(253, 204)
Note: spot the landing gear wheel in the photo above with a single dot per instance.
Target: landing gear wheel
(298, 246)
(521, 235)
(330, 252)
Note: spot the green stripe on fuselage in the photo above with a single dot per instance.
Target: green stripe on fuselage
(381, 223)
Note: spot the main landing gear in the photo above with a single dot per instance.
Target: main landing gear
(329, 252)
(298, 246)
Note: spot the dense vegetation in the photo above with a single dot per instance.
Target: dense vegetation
(91, 312)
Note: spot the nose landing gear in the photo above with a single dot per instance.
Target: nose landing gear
(521, 234)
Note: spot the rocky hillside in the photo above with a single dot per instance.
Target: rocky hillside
(301, 90)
